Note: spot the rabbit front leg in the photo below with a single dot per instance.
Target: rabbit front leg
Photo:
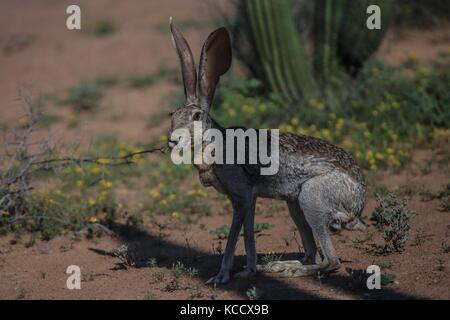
(250, 245)
(241, 208)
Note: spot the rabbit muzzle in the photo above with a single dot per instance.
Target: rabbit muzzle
(172, 143)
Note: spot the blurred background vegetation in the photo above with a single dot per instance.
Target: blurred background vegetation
(308, 67)
(312, 71)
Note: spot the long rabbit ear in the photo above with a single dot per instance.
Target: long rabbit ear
(187, 64)
(215, 60)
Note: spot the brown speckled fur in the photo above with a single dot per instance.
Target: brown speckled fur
(321, 183)
(314, 146)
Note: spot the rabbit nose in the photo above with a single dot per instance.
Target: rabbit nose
(172, 143)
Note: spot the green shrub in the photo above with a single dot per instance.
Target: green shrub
(262, 226)
(179, 269)
(145, 80)
(82, 198)
(104, 27)
(107, 81)
(359, 278)
(443, 196)
(139, 81)
(221, 232)
(271, 256)
(378, 117)
(85, 96)
(243, 102)
(392, 218)
(387, 278)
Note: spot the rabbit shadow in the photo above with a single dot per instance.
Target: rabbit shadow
(145, 246)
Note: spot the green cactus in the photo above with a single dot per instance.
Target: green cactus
(327, 19)
(279, 48)
(341, 42)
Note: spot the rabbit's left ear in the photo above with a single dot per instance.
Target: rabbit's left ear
(187, 64)
(215, 60)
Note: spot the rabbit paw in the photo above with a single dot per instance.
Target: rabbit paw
(245, 274)
(222, 277)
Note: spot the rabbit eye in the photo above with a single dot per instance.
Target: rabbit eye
(196, 116)
(171, 113)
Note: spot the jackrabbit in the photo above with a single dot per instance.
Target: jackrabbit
(321, 183)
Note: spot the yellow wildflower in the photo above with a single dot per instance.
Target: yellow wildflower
(248, 109)
(232, 112)
(340, 124)
(362, 125)
(303, 131)
(93, 219)
(95, 170)
(154, 194)
(72, 118)
(441, 133)
(103, 161)
(379, 156)
(326, 133)
(102, 196)
(366, 134)
(394, 161)
(105, 184)
(123, 153)
(347, 143)
(163, 138)
(393, 136)
(79, 183)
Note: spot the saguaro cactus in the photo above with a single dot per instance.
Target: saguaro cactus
(327, 19)
(281, 54)
(341, 42)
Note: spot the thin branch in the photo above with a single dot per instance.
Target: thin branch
(99, 160)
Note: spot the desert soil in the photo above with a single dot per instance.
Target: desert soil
(36, 50)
